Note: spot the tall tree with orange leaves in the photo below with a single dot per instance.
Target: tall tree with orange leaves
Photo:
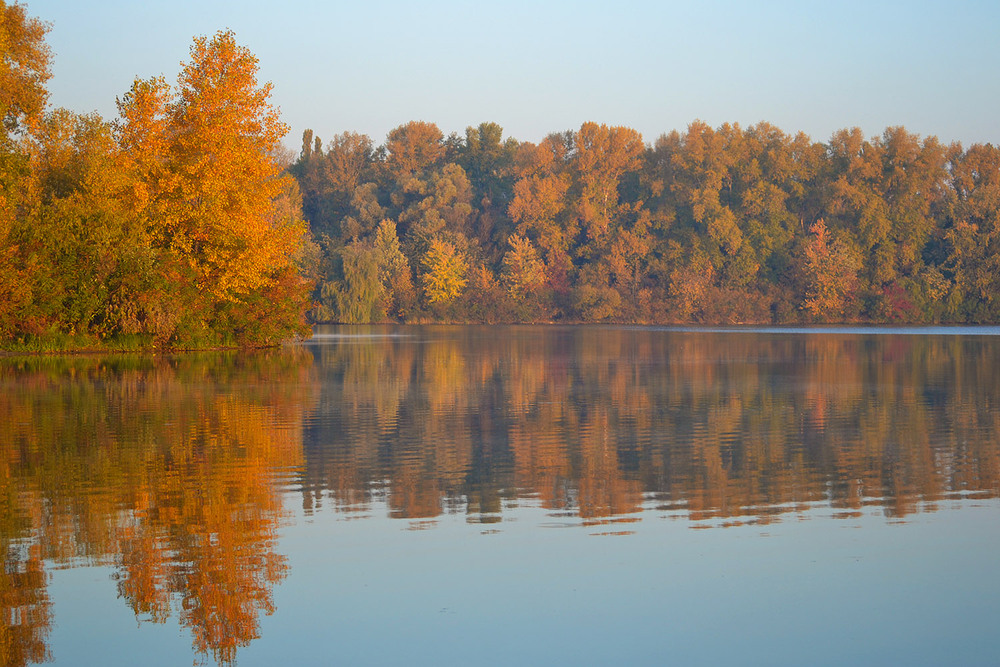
(204, 156)
(24, 70)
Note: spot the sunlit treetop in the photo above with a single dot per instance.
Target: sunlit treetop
(25, 61)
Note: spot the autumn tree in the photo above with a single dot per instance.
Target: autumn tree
(602, 157)
(440, 205)
(537, 210)
(627, 261)
(444, 274)
(523, 271)
(412, 149)
(329, 177)
(393, 271)
(488, 161)
(972, 240)
(205, 155)
(91, 258)
(831, 270)
(884, 191)
(365, 213)
(524, 277)
(24, 67)
(24, 70)
(541, 208)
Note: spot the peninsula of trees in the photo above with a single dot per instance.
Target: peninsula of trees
(172, 226)
(185, 222)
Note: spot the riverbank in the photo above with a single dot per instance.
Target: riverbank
(69, 344)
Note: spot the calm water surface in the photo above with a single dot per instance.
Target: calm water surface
(508, 495)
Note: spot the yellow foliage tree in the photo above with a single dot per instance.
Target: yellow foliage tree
(445, 272)
(537, 206)
(24, 69)
(205, 161)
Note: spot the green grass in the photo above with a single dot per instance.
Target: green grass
(64, 343)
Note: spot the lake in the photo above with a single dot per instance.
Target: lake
(508, 495)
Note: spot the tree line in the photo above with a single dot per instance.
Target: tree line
(709, 225)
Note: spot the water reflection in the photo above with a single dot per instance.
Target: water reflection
(176, 472)
(603, 421)
(163, 469)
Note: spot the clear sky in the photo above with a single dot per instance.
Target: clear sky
(537, 67)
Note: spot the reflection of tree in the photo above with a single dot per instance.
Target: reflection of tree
(164, 469)
(207, 527)
(25, 610)
(719, 425)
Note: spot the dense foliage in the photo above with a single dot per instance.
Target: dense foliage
(173, 226)
(727, 225)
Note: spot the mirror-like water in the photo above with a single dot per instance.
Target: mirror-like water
(508, 495)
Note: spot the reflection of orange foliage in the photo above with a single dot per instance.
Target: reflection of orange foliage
(179, 490)
(602, 489)
(25, 610)
(721, 425)
(415, 496)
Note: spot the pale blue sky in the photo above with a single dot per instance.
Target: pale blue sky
(540, 67)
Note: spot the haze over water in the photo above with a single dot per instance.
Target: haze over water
(508, 495)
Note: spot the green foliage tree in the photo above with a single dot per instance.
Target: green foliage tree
(361, 296)
(93, 259)
(523, 270)
(394, 272)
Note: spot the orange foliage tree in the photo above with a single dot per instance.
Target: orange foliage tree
(24, 69)
(208, 184)
(831, 268)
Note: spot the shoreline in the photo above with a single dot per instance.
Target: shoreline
(43, 349)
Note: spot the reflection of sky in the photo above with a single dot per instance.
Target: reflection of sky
(809, 589)
(816, 591)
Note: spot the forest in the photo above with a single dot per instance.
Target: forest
(723, 225)
(186, 222)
